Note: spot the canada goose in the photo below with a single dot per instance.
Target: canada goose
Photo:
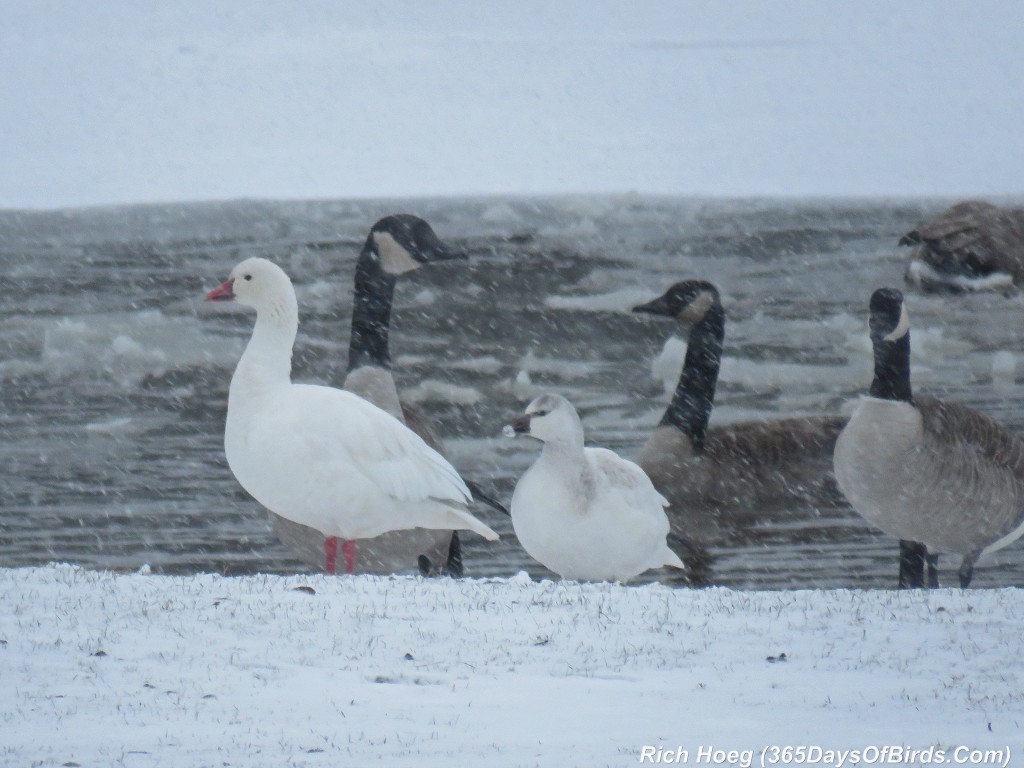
(725, 479)
(585, 513)
(972, 245)
(320, 456)
(395, 245)
(940, 476)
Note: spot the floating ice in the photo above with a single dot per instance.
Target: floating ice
(621, 300)
(127, 346)
(119, 426)
(424, 298)
(500, 213)
(436, 391)
(487, 364)
(559, 367)
(1004, 369)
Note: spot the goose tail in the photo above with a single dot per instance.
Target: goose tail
(671, 560)
(460, 518)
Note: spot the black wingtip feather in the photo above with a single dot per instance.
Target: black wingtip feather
(479, 495)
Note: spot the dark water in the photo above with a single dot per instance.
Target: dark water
(114, 372)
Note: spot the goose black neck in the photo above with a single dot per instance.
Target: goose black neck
(892, 370)
(690, 409)
(371, 314)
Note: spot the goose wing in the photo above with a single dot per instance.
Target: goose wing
(778, 444)
(625, 479)
(947, 423)
(767, 465)
(643, 524)
(327, 427)
(979, 454)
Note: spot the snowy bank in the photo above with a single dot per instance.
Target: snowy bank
(140, 670)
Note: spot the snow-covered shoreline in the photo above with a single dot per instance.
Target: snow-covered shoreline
(144, 670)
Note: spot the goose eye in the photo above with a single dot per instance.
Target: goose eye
(248, 277)
(540, 413)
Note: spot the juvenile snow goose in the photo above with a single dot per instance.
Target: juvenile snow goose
(323, 457)
(972, 245)
(940, 476)
(722, 480)
(585, 513)
(395, 245)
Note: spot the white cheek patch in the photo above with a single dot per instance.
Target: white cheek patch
(901, 327)
(394, 259)
(698, 308)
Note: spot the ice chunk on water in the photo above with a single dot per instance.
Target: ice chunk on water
(118, 426)
(424, 298)
(127, 346)
(435, 391)
(620, 300)
(1004, 369)
(500, 213)
(485, 364)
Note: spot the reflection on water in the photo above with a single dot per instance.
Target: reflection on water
(114, 373)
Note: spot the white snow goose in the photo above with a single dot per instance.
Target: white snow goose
(725, 479)
(396, 245)
(940, 476)
(320, 456)
(585, 513)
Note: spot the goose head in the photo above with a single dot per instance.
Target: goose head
(888, 319)
(402, 243)
(550, 419)
(264, 287)
(698, 304)
(689, 301)
(396, 245)
(890, 339)
(256, 283)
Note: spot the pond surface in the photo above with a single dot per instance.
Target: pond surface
(114, 371)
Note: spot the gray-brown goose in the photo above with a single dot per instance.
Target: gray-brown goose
(940, 476)
(722, 480)
(970, 246)
(395, 245)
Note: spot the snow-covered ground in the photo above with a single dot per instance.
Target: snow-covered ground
(128, 102)
(141, 670)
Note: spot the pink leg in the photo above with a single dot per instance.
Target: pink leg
(331, 554)
(349, 549)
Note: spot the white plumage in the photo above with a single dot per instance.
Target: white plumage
(320, 456)
(585, 513)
